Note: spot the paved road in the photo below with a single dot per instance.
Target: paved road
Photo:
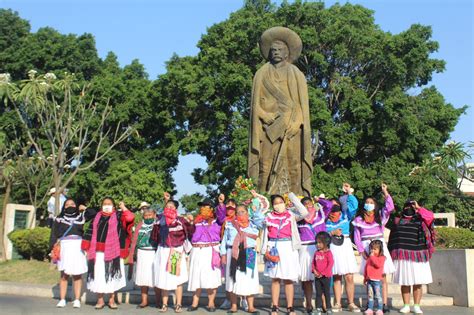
(12, 305)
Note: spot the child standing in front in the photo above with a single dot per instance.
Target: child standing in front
(373, 277)
(322, 269)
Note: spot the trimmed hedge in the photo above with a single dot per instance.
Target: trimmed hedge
(31, 243)
(447, 237)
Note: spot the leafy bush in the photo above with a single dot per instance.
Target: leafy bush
(31, 243)
(454, 238)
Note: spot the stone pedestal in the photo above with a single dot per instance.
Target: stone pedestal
(17, 217)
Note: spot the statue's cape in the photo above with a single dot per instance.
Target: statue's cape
(296, 82)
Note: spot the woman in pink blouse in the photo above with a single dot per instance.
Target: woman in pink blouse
(368, 226)
(281, 239)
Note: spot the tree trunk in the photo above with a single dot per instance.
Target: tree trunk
(57, 194)
(6, 199)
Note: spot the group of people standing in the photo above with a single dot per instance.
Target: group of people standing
(305, 240)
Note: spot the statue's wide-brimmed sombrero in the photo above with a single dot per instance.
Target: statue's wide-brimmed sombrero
(292, 40)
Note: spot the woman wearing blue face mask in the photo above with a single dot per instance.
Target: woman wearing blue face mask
(369, 225)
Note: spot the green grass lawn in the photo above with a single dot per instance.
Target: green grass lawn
(29, 271)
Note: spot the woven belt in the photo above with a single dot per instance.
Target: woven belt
(280, 239)
(71, 238)
(230, 247)
(371, 238)
(205, 245)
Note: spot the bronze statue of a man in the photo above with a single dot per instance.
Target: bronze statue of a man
(279, 157)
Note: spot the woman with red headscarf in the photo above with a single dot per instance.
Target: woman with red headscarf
(171, 232)
(205, 267)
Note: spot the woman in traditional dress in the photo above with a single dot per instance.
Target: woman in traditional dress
(368, 226)
(205, 271)
(281, 242)
(68, 229)
(411, 246)
(238, 250)
(172, 233)
(107, 241)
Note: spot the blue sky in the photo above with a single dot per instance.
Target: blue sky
(152, 31)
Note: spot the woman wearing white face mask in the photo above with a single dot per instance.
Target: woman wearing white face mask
(281, 242)
(368, 226)
(106, 243)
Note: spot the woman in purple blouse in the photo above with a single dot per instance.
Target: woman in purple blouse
(205, 262)
(369, 225)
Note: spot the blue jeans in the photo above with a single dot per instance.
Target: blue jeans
(374, 289)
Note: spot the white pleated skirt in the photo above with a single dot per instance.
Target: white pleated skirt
(246, 283)
(306, 253)
(344, 258)
(412, 273)
(288, 266)
(163, 279)
(99, 284)
(72, 260)
(388, 267)
(201, 274)
(144, 269)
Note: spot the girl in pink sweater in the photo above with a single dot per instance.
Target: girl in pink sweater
(373, 275)
(322, 269)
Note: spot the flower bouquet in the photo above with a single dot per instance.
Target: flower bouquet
(241, 192)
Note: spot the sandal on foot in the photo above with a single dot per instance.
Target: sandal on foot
(211, 309)
(99, 306)
(290, 310)
(275, 309)
(178, 308)
(164, 308)
(142, 305)
(113, 306)
(353, 308)
(192, 309)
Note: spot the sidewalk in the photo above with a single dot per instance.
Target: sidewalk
(16, 305)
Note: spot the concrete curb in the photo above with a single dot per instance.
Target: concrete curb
(26, 289)
(132, 296)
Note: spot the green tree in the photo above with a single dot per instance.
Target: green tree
(61, 123)
(190, 202)
(368, 124)
(45, 51)
(127, 91)
(130, 182)
(446, 171)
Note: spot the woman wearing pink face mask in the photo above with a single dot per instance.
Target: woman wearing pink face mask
(308, 228)
(281, 242)
(171, 232)
(106, 243)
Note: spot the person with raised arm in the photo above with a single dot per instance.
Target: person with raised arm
(369, 225)
(171, 233)
(411, 245)
(281, 242)
(345, 263)
(205, 262)
(107, 242)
